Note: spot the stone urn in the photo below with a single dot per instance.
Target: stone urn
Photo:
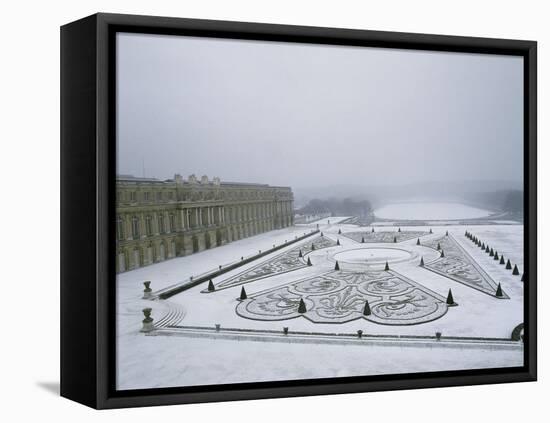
(147, 292)
(147, 321)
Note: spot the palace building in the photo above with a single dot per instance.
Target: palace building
(157, 220)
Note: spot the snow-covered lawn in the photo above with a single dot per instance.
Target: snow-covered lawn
(154, 361)
(162, 361)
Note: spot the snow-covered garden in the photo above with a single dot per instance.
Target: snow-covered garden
(331, 299)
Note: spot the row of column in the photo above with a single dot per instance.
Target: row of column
(198, 217)
(135, 225)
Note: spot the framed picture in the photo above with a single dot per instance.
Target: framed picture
(257, 211)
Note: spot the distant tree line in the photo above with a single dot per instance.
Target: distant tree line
(513, 202)
(337, 207)
(510, 201)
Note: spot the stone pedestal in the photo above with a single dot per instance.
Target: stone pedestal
(148, 321)
(147, 292)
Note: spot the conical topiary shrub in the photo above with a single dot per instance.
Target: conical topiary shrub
(243, 294)
(421, 261)
(450, 299)
(501, 260)
(483, 246)
(399, 230)
(362, 240)
(336, 266)
(515, 272)
(438, 246)
(508, 265)
(431, 231)
(300, 253)
(496, 255)
(302, 306)
(487, 248)
(312, 246)
(211, 286)
(337, 242)
(499, 291)
(418, 241)
(394, 239)
(309, 262)
(322, 234)
(442, 253)
(387, 267)
(339, 231)
(491, 253)
(447, 233)
(366, 309)
(372, 230)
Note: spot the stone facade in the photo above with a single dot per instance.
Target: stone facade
(157, 220)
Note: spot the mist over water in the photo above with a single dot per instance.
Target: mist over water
(329, 121)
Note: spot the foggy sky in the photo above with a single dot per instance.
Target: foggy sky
(308, 115)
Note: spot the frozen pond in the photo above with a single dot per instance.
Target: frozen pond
(429, 211)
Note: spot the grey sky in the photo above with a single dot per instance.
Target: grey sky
(309, 115)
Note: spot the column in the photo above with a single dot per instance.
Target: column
(142, 227)
(127, 219)
(156, 229)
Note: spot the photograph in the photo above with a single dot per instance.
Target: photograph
(292, 211)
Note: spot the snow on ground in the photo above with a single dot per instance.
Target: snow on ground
(429, 211)
(478, 314)
(154, 361)
(162, 361)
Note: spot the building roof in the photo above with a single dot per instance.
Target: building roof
(132, 178)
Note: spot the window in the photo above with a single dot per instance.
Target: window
(172, 223)
(149, 225)
(119, 228)
(146, 196)
(135, 227)
(161, 223)
(133, 196)
(170, 195)
(159, 195)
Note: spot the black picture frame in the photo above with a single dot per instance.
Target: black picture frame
(87, 212)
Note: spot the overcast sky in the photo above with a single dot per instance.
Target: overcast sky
(310, 115)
